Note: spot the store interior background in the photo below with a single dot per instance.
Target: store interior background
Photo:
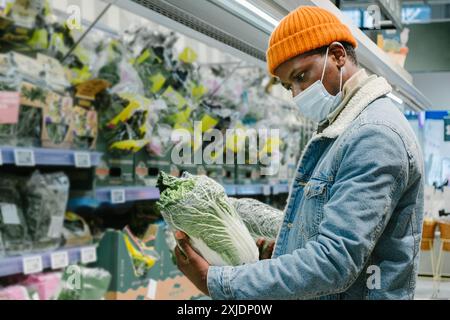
(428, 62)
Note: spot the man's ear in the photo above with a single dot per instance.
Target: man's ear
(338, 54)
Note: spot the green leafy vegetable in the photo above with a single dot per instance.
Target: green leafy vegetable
(198, 206)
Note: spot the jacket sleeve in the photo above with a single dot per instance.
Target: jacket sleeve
(371, 176)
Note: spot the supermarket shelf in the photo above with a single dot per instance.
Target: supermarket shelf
(118, 195)
(230, 189)
(14, 265)
(245, 35)
(113, 195)
(280, 188)
(48, 157)
(252, 189)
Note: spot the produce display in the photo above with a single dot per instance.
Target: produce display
(199, 206)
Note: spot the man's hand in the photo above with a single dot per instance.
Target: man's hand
(265, 249)
(194, 267)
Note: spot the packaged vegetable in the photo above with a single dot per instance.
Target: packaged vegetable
(14, 293)
(199, 206)
(91, 284)
(46, 285)
(46, 198)
(143, 257)
(76, 231)
(13, 226)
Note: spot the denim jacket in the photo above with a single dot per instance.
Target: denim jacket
(353, 222)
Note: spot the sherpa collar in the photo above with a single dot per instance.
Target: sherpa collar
(371, 91)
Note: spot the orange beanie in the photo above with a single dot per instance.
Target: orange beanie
(305, 29)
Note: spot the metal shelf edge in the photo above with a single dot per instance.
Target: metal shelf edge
(14, 264)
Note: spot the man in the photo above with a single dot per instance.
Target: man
(353, 221)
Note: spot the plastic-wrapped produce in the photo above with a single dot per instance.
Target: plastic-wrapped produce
(76, 231)
(198, 206)
(13, 227)
(46, 285)
(261, 220)
(143, 257)
(14, 293)
(8, 129)
(92, 284)
(46, 201)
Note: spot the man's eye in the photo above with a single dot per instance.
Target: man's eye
(300, 77)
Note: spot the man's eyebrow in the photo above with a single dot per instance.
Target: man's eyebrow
(296, 70)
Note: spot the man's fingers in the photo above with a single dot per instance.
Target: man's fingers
(181, 259)
(186, 248)
(180, 235)
(260, 242)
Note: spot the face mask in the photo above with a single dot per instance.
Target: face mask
(315, 103)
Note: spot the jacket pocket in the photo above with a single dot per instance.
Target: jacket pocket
(315, 197)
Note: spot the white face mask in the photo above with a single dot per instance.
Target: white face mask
(315, 103)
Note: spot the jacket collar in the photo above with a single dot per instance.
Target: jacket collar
(372, 90)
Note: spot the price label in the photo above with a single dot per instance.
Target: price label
(32, 264)
(82, 160)
(24, 158)
(88, 255)
(118, 196)
(9, 213)
(266, 190)
(59, 260)
(151, 293)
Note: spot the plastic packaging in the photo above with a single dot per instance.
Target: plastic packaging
(46, 284)
(89, 284)
(46, 198)
(143, 257)
(13, 226)
(75, 231)
(261, 220)
(14, 293)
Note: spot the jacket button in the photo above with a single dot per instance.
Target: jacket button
(289, 225)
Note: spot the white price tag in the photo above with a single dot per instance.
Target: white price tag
(151, 293)
(118, 196)
(9, 213)
(88, 255)
(82, 159)
(266, 190)
(32, 264)
(56, 227)
(24, 158)
(59, 260)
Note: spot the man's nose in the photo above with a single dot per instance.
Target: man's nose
(295, 92)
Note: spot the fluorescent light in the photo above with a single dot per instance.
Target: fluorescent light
(258, 12)
(395, 98)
